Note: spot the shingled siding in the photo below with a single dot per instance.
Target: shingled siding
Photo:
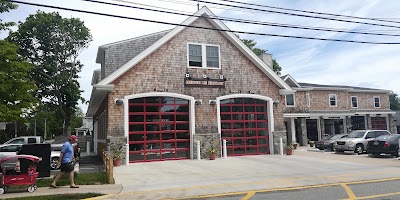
(118, 54)
(166, 67)
(320, 101)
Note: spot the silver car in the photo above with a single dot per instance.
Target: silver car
(357, 140)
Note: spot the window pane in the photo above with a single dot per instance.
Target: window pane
(212, 56)
(290, 100)
(195, 55)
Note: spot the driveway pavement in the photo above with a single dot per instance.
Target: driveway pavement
(174, 179)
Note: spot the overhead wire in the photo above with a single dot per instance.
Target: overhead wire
(313, 12)
(199, 27)
(242, 20)
(297, 15)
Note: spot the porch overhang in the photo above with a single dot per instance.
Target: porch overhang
(99, 92)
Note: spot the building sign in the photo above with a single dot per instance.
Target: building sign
(220, 83)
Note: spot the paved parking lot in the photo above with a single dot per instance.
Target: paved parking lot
(177, 179)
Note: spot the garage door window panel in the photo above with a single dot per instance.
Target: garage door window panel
(166, 124)
(248, 125)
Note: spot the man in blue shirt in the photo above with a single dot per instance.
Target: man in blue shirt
(66, 162)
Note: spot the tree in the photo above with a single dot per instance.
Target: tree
(5, 6)
(16, 89)
(251, 44)
(394, 101)
(52, 44)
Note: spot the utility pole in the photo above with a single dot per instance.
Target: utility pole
(35, 128)
(15, 128)
(45, 129)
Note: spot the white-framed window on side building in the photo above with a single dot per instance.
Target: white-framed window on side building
(204, 56)
(332, 100)
(354, 102)
(377, 102)
(289, 100)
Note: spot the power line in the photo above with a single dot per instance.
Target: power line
(199, 27)
(312, 12)
(298, 15)
(242, 21)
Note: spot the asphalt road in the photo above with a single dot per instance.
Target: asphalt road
(383, 189)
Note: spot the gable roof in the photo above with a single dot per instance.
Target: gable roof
(218, 24)
(312, 86)
(290, 80)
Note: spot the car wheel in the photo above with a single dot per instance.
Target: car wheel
(54, 163)
(359, 149)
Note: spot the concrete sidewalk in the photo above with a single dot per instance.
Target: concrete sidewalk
(102, 189)
(172, 179)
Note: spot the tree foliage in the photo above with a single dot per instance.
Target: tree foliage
(52, 44)
(394, 101)
(6, 6)
(251, 44)
(16, 89)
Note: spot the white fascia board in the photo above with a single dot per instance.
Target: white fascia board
(291, 115)
(286, 92)
(303, 89)
(246, 51)
(371, 91)
(108, 87)
(150, 49)
(376, 112)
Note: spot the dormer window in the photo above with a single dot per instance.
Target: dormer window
(204, 56)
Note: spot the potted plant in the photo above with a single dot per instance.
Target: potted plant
(213, 153)
(117, 154)
(117, 150)
(289, 149)
(295, 145)
(312, 143)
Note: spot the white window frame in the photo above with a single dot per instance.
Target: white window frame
(204, 55)
(308, 100)
(329, 100)
(294, 101)
(379, 101)
(351, 101)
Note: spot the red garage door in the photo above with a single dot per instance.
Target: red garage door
(158, 129)
(244, 124)
(378, 123)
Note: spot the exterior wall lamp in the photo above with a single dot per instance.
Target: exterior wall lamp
(198, 102)
(119, 102)
(212, 102)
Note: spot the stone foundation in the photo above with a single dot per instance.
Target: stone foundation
(207, 142)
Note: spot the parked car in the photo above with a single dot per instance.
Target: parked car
(329, 143)
(330, 139)
(357, 140)
(387, 144)
(25, 140)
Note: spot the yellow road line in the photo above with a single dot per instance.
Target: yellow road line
(377, 196)
(100, 197)
(249, 195)
(349, 192)
(289, 189)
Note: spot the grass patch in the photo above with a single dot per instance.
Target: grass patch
(98, 178)
(60, 196)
